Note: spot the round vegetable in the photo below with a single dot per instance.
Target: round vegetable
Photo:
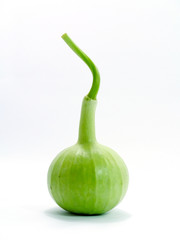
(87, 178)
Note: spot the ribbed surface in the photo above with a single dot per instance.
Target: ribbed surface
(88, 179)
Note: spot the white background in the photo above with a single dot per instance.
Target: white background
(136, 46)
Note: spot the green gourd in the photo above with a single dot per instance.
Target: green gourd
(87, 178)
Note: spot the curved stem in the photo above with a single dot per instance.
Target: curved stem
(96, 76)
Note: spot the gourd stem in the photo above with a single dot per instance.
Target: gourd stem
(96, 76)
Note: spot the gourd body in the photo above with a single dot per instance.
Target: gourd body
(87, 179)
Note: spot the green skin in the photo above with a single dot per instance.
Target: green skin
(87, 178)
